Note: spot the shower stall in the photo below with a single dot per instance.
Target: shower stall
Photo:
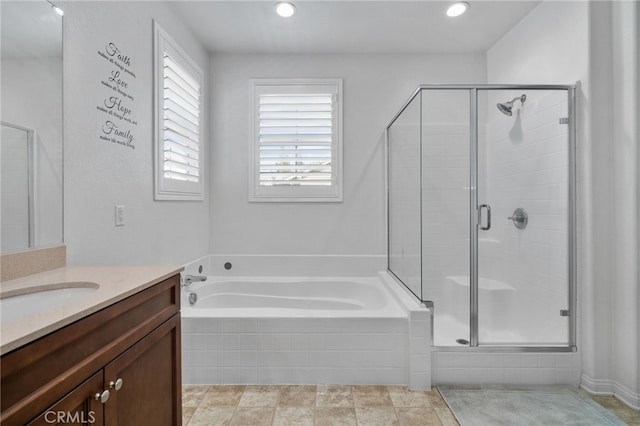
(481, 214)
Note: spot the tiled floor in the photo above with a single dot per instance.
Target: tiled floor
(620, 409)
(330, 405)
(312, 405)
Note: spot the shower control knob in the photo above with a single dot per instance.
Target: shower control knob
(520, 218)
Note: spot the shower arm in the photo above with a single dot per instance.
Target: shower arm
(522, 98)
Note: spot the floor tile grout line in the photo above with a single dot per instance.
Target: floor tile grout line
(438, 411)
(350, 393)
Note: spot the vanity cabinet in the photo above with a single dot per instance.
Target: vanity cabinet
(118, 366)
(78, 407)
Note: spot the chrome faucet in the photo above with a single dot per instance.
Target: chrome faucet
(188, 279)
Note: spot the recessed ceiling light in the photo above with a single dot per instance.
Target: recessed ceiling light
(285, 9)
(457, 9)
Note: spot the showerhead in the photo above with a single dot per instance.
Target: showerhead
(507, 107)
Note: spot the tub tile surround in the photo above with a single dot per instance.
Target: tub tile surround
(338, 405)
(289, 265)
(296, 350)
(388, 350)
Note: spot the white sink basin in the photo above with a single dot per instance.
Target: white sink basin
(42, 299)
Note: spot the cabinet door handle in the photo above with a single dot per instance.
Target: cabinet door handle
(102, 397)
(117, 384)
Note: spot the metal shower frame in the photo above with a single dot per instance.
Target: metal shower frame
(31, 138)
(473, 215)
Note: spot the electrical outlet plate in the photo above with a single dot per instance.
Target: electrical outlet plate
(119, 215)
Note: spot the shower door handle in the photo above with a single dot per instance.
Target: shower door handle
(488, 207)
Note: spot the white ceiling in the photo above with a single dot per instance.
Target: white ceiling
(398, 26)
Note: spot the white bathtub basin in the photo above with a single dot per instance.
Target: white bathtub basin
(42, 299)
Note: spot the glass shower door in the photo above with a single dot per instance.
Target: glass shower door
(523, 229)
(445, 171)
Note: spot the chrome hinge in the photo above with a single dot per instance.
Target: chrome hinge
(564, 120)
(564, 312)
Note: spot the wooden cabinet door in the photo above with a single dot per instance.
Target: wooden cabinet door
(79, 407)
(150, 380)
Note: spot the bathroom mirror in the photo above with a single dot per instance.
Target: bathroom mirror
(31, 124)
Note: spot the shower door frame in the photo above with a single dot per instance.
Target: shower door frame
(31, 222)
(473, 215)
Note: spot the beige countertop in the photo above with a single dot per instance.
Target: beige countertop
(113, 283)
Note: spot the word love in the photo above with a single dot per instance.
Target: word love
(115, 78)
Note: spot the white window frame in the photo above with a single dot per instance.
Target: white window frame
(166, 188)
(329, 193)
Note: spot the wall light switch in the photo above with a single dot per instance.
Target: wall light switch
(119, 215)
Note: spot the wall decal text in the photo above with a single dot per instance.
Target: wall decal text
(116, 108)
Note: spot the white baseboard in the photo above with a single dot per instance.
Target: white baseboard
(611, 387)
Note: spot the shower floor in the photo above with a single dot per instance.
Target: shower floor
(449, 329)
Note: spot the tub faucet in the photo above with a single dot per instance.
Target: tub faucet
(188, 279)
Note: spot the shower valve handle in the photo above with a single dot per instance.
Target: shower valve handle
(520, 218)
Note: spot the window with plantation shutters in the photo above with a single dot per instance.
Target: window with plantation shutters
(178, 129)
(297, 141)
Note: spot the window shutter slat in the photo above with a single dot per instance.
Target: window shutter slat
(173, 139)
(295, 135)
(185, 103)
(181, 123)
(186, 77)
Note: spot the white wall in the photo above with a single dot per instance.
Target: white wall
(99, 174)
(375, 87)
(612, 297)
(625, 211)
(596, 43)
